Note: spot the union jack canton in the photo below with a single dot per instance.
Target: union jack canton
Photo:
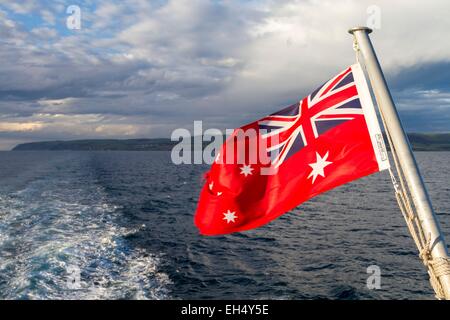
(288, 131)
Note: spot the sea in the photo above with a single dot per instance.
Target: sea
(119, 225)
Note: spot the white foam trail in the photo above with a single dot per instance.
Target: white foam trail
(46, 228)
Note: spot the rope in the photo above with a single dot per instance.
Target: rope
(437, 267)
(441, 267)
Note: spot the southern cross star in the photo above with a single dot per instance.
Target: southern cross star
(230, 216)
(211, 186)
(318, 166)
(246, 170)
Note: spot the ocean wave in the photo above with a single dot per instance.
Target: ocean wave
(59, 240)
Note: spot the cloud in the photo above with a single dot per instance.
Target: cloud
(140, 68)
(44, 33)
(48, 17)
(22, 7)
(20, 126)
(424, 110)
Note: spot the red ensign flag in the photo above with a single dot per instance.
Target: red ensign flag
(270, 166)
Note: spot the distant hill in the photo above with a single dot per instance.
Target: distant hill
(419, 141)
(90, 145)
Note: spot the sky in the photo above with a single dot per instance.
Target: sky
(140, 69)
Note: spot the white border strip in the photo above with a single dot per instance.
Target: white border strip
(371, 118)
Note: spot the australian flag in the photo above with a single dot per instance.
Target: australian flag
(327, 139)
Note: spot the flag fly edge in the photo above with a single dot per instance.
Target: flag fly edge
(373, 126)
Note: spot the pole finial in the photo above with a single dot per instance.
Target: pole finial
(365, 29)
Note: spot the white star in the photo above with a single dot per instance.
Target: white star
(230, 216)
(318, 166)
(246, 170)
(211, 186)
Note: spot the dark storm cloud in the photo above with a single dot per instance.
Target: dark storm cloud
(426, 120)
(422, 93)
(424, 76)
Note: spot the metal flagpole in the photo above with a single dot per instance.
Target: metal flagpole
(437, 249)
